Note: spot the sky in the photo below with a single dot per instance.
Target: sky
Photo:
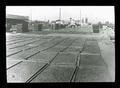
(93, 13)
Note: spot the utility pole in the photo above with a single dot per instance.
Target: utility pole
(32, 28)
(80, 16)
(80, 19)
(31, 14)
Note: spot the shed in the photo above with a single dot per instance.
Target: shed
(20, 22)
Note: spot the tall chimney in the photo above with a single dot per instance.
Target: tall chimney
(60, 14)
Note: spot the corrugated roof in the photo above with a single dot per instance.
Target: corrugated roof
(17, 17)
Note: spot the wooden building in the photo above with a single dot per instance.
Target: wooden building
(20, 23)
(38, 25)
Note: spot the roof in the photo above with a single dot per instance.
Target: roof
(17, 17)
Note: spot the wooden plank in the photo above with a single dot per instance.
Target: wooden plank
(18, 37)
(55, 73)
(92, 60)
(27, 53)
(33, 44)
(73, 49)
(25, 47)
(52, 43)
(66, 42)
(22, 43)
(12, 38)
(65, 58)
(91, 47)
(17, 41)
(79, 42)
(23, 71)
(43, 56)
(11, 63)
(26, 38)
(93, 74)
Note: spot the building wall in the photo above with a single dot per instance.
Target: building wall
(22, 28)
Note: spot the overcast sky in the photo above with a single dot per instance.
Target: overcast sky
(93, 13)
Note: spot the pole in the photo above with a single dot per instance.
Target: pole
(31, 20)
(31, 14)
(80, 16)
(60, 14)
(80, 19)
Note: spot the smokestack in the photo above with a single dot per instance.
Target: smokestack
(60, 14)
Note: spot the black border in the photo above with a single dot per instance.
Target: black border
(57, 3)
